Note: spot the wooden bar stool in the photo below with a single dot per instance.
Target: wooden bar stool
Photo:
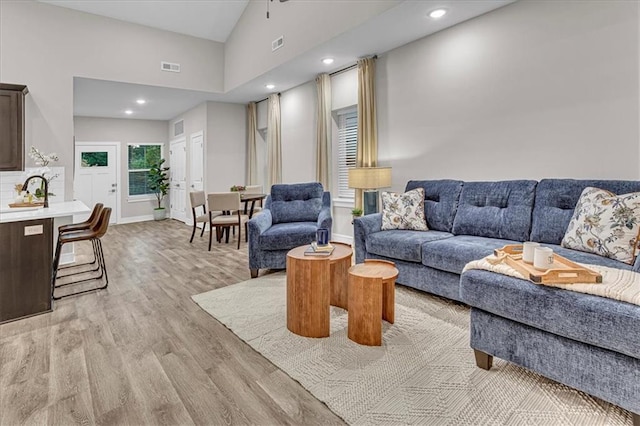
(371, 297)
(94, 235)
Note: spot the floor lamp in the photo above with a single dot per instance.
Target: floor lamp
(370, 179)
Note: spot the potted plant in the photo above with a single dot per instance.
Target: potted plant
(356, 212)
(159, 184)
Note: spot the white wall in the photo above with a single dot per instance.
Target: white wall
(531, 90)
(45, 46)
(91, 129)
(304, 25)
(225, 146)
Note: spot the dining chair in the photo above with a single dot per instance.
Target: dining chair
(198, 200)
(226, 202)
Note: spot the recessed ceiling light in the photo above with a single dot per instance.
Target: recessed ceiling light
(128, 112)
(270, 86)
(141, 101)
(438, 13)
(327, 61)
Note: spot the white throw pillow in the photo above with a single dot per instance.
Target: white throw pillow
(605, 224)
(404, 211)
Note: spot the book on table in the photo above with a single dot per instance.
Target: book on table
(316, 250)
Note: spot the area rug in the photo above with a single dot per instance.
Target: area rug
(424, 373)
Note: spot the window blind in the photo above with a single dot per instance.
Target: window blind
(347, 145)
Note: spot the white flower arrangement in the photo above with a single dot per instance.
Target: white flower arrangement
(41, 159)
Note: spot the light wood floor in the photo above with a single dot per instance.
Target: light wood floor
(141, 352)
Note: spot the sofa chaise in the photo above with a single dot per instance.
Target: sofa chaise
(586, 342)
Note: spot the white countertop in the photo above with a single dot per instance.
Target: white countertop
(66, 208)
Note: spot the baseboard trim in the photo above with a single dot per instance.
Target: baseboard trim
(134, 219)
(347, 239)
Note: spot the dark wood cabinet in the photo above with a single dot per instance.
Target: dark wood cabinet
(26, 251)
(12, 126)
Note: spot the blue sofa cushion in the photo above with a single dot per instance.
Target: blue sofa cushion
(402, 244)
(440, 201)
(496, 209)
(556, 200)
(598, 321)
(300, 202)
(285, 236)
(453, 253)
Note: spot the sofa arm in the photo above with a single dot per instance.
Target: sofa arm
(260, 223)
(325, 220)
(362, 227)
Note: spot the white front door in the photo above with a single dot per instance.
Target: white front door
(96, 176)
(178, 180)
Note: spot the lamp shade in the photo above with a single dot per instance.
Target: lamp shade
(370, 177)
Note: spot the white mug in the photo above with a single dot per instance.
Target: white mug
(543, 258)
(528, 247)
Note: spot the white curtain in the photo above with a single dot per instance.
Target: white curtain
(274, 149)
(252, 158)
(323, 131)
(367, 147)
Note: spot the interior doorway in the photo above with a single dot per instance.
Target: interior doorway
(96, 176)
(178, 178)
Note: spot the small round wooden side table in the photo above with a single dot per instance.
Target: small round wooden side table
(371, 296)
(314, 283)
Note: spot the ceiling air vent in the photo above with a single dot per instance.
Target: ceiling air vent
(168, 66)
(277, 43)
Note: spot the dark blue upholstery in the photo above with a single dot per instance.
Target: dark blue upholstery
(402, 244)
(599, 321)
(441, 201)
(299, 214)
(452, 255)
(606, 374)
(299, 202)
(496, 209)
(285, 236)
(557, 198)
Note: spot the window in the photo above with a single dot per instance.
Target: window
(141, 158)
(347, 143)
(94, 159)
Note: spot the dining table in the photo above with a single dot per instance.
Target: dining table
(252, 198)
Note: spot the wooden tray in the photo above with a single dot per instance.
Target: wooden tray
(563, 270)
(34, 204)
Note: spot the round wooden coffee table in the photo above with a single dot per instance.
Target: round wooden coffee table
(371, 296)
(313, 284)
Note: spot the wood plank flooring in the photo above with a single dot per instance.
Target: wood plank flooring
(142, 352)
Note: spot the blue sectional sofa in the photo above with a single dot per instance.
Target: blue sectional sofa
(587, 342)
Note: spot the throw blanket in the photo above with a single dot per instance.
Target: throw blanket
(618, 284)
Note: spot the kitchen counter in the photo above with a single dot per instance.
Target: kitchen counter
(27, 239)
(55, 210)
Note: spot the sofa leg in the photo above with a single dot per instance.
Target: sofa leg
(636, 419)
(254, 273)
(483, 360)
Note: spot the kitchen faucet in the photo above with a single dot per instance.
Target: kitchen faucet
(46, 187)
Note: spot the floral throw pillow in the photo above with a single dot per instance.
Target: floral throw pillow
(404, 211)
(605, 224)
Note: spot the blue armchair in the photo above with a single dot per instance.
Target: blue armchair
(290, 218)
